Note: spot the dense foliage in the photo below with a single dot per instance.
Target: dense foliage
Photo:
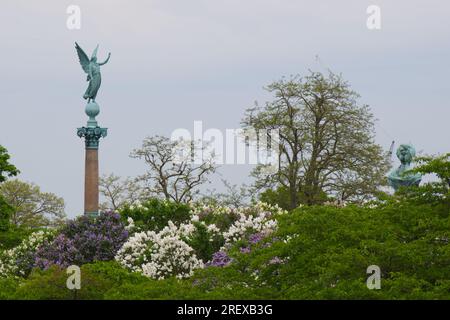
(6, 168)
(436, 192)
(316, 253)
(6, 211)
(32, 208)
(20, 260)
(255, 252)
(326, 141)
(83, 240)
(178, 249)
(12, 237)
(154, 214)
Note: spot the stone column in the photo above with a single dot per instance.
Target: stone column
(92, 134)
(91, 182)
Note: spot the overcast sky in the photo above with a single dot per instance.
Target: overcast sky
(176, 61)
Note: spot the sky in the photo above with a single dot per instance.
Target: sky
(176, 61)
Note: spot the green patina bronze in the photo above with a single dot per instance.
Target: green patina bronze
(399, 177)
(92, 132)
(92, 69)
(92, 136)
(91, 215)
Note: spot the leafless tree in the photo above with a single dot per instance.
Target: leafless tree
(118, 192)
(171, 175)
(234, 196)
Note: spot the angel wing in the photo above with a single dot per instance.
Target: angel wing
(82, 56)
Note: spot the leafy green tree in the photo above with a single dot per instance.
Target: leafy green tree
(433, 192)
(281, 197)
(6, 210)
(10, 235)
(323, 252)
(32, 207)
(331, 248)
(326, 141)
(5, 214)
(6, 168)
(439, 165)
(13, 236)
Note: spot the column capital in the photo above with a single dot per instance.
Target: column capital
(92, 135)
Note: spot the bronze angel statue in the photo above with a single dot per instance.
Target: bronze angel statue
(92, 68)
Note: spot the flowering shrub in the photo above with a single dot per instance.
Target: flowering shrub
(20, 260)
(84, 240)
(256, 237)
(205, 240)
(319, 252)
(202, 240)
(155, 214)
(248, 225)
(255, 217)
(160, 254)
(220, 217)
(220, 259)
(201, 235)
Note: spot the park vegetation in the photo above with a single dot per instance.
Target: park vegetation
(308, 231)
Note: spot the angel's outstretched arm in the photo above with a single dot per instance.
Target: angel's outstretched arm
(106, 61)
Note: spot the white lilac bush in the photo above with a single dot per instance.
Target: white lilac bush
(160, 254)
(248, 224)
(19, 261)
(177, 250)
(259, 218)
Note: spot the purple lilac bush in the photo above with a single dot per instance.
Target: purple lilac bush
(245, 249)
(253, 239)
(256, 237)
(84, 240)
(219, 259)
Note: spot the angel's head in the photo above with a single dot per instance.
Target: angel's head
(94, 59)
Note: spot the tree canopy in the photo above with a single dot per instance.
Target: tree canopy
(6, 168)
(326, 140)
(169, 175)
(32, 208)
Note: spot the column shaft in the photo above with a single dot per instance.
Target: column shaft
(91, 182)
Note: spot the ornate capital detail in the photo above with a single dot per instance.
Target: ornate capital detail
(92, 135)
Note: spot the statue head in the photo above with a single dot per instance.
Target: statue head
(405, 153)
(400, 177)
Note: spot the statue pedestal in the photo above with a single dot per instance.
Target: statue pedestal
(92, 134)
